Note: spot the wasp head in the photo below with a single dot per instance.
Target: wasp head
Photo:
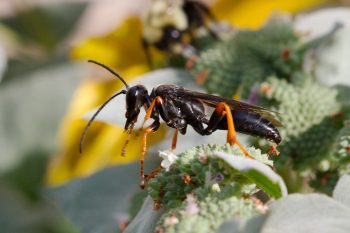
(136, 97)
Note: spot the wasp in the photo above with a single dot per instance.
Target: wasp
(179, 108)
(171, 25)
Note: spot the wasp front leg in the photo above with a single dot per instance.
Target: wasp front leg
(174, 141)
(221, 112)
(156, 105)
(178, 123)
(152, 128)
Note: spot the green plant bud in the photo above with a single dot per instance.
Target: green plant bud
(206, 215)
(188, 174)
(248, 58)
(310, 126)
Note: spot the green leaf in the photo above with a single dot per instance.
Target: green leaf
(257, 172)
(28, 177)
(98, 203)
(307, 213)
(32, 108)
(23, 208)
(18, 214)
(46, 25)
(25, 66)
(342, 190)
(344, 94)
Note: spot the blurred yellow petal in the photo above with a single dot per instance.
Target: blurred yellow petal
(253, 13)
(120, 49)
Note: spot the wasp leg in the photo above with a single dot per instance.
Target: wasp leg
(155, 125)
(159, 102)
(153, 173)
(221, 111)
(173, 144)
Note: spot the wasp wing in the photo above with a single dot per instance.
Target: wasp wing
(212, 101)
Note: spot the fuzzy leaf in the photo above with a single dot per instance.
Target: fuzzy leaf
(258, 172)
(3, 62)
(145, 220)
(342, 190)
(19, 214)
(332, 65)
(99, 202)
(23, 208)
(253, 225)
(46, 25)
(307, 213)
(344, 94)
(32, 108)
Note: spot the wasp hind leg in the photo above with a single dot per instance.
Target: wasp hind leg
(222, 111)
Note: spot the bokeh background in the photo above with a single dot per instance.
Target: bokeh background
(46, 87)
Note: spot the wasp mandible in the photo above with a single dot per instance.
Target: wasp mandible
(179, 107)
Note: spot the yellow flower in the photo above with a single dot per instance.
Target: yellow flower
(122, 51)
(253, 13)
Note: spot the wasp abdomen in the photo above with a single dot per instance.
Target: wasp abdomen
(254, 124)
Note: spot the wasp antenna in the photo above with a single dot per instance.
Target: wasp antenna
(93, 118)
(112, 71)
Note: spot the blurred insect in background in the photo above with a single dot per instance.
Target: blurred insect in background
(171, 26)
(179, 107)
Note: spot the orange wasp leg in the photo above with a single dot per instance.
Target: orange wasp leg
(174, 141)
(153, 173)
(150, 129)
(223, 109)
(158, 100)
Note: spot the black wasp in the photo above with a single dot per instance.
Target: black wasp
(171, 25)
(180, 107)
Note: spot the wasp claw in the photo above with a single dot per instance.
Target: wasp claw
(143, 182)
(273, 151)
